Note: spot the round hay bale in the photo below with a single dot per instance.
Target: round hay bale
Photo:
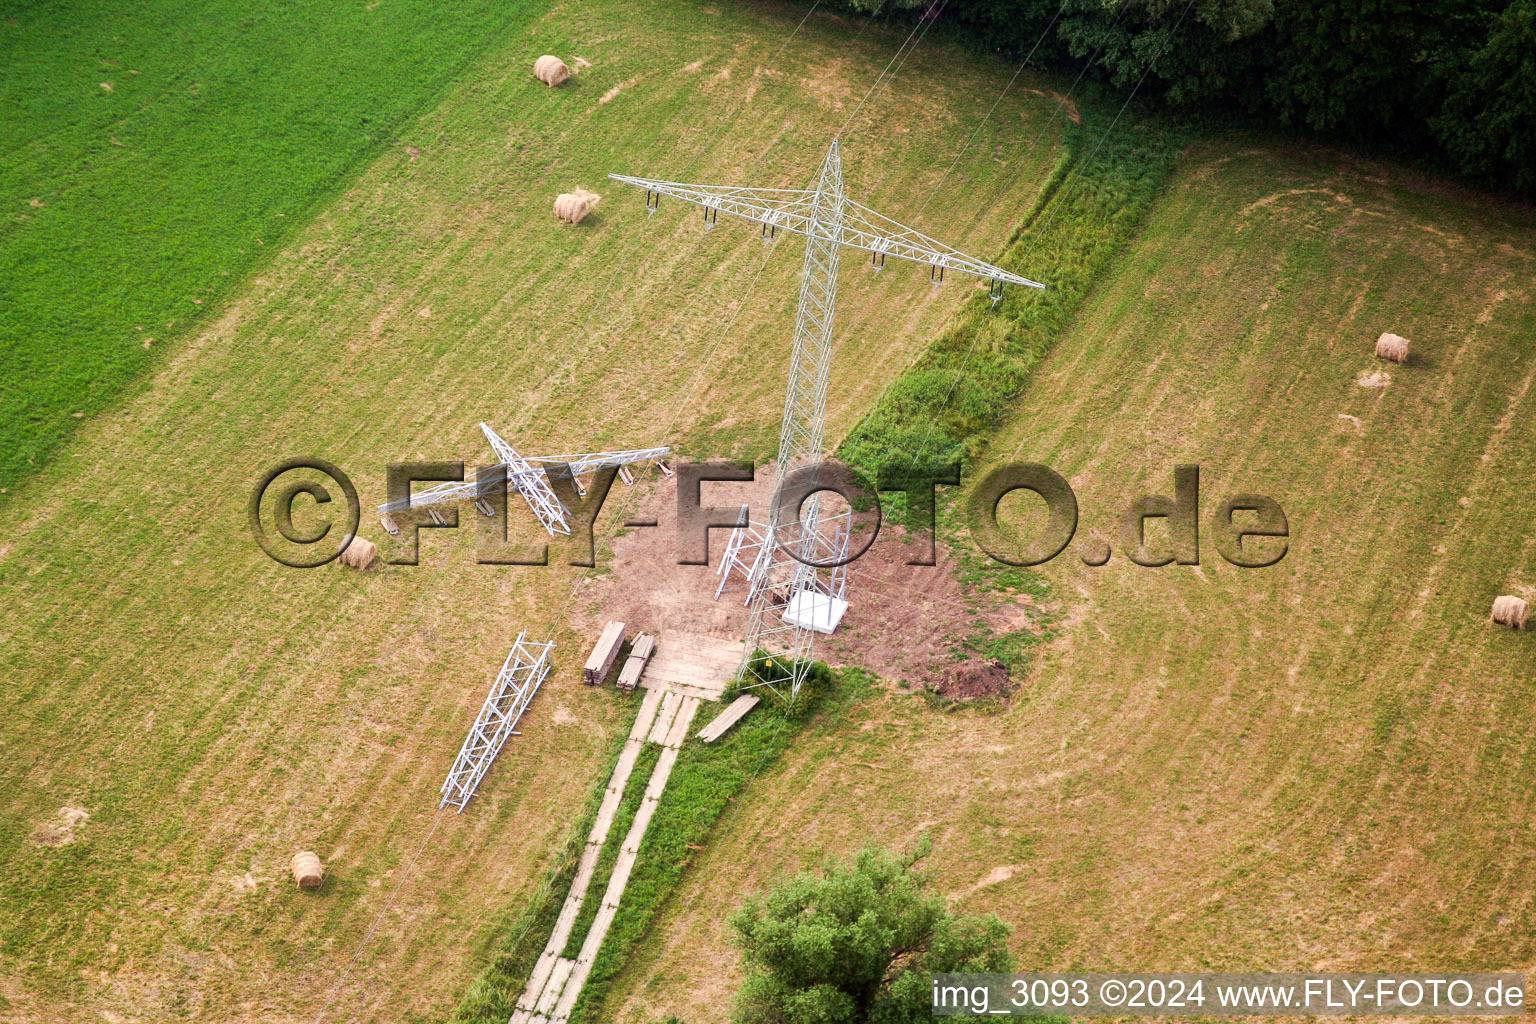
(1511, 611)
(573, 207)
(1392, 347)
(359, 553)
(551, 70)
(307, 870)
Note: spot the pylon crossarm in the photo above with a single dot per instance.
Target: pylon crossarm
(785, 208)
(865, 229)
(829, 222)
(862, 228)
(530, 483)
(447, 493)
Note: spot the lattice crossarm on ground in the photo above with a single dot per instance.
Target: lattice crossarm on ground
(479, 486)
(531, 484)
(586, 463)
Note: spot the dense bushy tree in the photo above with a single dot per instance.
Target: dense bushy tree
(854, 943)
(1455, 78)
(1190, 49)
(1488, 120)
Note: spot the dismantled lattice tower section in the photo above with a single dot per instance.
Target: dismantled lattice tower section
(516, 683)
(529, 477)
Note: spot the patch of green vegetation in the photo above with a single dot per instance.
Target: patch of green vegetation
(634, 795)
(948, 406)
(1011, 648)
(978, 570)
(706, 779)
(859, 940)
(154, 155)
(770, 672)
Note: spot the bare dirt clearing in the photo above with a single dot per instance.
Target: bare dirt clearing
(906, 622)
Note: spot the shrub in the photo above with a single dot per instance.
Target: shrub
(855, 942)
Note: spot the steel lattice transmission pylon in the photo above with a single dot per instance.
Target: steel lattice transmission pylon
(779, 649)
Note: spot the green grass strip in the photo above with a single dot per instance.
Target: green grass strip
(634, 795)
(493, 995)
(707, 777)
(948, 405)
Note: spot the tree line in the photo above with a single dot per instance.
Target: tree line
(1447, 83)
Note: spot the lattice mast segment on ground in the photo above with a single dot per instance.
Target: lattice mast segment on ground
(526, 476)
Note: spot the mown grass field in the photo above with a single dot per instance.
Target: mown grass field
(149, 161)
(213, 712)
(1321, 765)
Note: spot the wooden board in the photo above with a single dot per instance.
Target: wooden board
(584, 869)
(556, 983)
(661, 773)
(711, 695)
(639, 655)
(629, 675)
(637, 833)
(572, 991)
(681, 721)
(605, 812)
(704, 665)
(669, 703)
(643, 647)
(646, 716)
(626, 764)
(730, 716)
(600, 662)
(565, 923)
(541, 973)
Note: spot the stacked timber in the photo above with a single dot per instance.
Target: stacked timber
(639, 654)
(604, 654)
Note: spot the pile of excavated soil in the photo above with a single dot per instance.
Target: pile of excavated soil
(976, 680)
